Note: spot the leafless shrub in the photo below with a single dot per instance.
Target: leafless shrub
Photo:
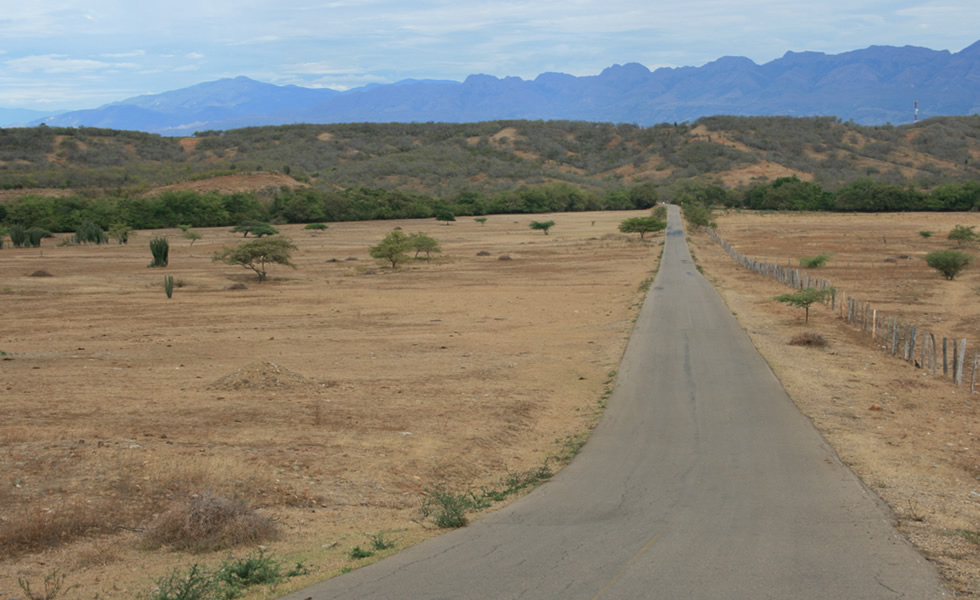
(483, 253)
(206, 522)
(504, 257)
(237, 286)
(41, 273)
(809, 338)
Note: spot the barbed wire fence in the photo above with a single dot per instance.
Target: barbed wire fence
(945, 357)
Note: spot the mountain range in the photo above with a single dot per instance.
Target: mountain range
(873, 86)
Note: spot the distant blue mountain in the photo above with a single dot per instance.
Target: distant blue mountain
(14, 117)
(873, 86)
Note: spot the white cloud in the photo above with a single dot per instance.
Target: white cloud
(53, 63)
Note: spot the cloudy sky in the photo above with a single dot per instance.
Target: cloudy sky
(71, 54)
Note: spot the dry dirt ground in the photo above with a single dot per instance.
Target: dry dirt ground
(333, 396)
(330, 397)
(913, 438)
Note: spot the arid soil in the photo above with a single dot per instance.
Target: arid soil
(333, 396)
(912, 438)
(330, 398)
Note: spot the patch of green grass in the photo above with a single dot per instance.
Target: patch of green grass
(970, 535)
(357, 553)
(231, 580)
(379, 542)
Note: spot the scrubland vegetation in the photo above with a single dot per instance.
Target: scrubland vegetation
(57, 179)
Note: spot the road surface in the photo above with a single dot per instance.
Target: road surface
(703, 481)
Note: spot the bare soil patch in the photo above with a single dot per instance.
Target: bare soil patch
(913, 438)
(328, 399)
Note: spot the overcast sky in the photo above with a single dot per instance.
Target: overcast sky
(70, 54)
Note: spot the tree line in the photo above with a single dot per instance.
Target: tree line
(309, 205)
(306, 205)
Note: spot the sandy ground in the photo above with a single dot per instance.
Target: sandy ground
(331, 397)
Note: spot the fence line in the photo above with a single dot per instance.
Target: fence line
(887, 333)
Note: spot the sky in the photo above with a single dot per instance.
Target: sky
(71, 54)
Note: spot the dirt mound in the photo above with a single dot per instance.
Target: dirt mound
(267, 376)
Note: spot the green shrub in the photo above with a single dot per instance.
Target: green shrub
(948, 262)
(90, 232)
(196, 584)
(447, 510)
(168, 285)
(35, 235)
(160, 248)
(926, 234)
(814, 262)
(316, 226)
(379, 542)
(18, 235)
(542, 226)
(257, 569)
(358, 553)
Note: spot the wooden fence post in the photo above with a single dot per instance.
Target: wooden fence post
(973, 374)
(959, 365)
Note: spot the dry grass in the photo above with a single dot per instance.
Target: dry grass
(808, 338)
(206, 522)
(323, 399)
(35, 527)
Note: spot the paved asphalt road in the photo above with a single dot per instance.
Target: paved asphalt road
(703, 481)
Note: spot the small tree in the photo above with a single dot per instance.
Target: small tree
(160, 249)
(257, 254)
(120, 231)
(421, 242)
(804, 298)
(193, 236)
(697, 214)
(481, 220)
(256, 228)
(542, 226)
(444, 214)
(962, 235)
(642, 225)
(948, 262)
(392, 248)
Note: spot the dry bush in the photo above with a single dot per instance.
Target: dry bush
(237, 286)
(41, 273)
(483, 253)
(504, 257)
(809, 338)
(36, 528)
(207, 522)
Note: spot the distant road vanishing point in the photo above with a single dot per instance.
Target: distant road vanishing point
(703, 481)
